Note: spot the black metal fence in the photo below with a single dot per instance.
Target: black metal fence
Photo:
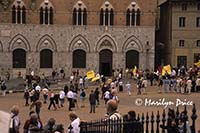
(176, 122)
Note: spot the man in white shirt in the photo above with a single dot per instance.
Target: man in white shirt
(38, 88)
(62, 97)
(45, 94)
(81, 83)
(74, 126)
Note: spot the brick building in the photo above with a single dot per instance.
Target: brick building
(179, 34)
(47, 35)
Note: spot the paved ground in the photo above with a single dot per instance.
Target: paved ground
(126, 103)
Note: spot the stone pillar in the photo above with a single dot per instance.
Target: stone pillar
(92, 61)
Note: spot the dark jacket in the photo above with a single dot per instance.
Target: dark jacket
(92, 98)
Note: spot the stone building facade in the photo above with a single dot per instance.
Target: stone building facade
(43, 36)
(179, 35)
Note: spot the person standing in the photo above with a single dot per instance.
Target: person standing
(15, 121)
(128, 88)
(189, 85)
(56, 98)
(38, 105)
(45, 94)
(26, 96)
(3, 87)
(120, 85)
(70, 99)
(74, 126)
(52, 100)
(97, 95)
(144, 85)
(92, 99)
(82, 98)
(81, 82)
(62, 98)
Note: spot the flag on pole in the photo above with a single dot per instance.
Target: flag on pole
(90, 74)
(95, 79)
(197, 63)
(134, 70)
(166, 69)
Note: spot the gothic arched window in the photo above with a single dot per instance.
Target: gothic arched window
(133, 15)
(106, 17)
(46, 14)
(79, 14)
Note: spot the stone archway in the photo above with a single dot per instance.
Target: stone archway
(105, 62)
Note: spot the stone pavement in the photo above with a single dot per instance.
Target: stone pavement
(126, 103)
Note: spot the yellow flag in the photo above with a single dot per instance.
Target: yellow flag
(166, 69)
(90, 74)
(95, 78)
(197, 64)
(134, 70)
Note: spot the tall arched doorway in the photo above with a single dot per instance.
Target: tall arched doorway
(105, 62)
(46, 58)
(132, 59)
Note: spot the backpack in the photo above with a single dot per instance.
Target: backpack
(83, 94)
(34, 128)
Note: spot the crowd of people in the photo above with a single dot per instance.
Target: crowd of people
(179, 81)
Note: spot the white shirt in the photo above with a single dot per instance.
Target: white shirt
(45, 91)
(61, 94)
(80, 81)
(32, 73)
(75, 126)
(71, 78)
(38, 88)
(74, 95)
(107, 95)
(120, 83)
(70, 94)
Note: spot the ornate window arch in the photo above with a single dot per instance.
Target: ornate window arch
(46, 12)
(133, 14)
(106, 14)
(79, 14)
(18, 12)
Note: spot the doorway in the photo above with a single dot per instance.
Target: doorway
(105, 62)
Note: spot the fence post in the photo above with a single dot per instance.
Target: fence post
(142, 122)
(193, 117)
(163, 121)
(147, 123)
(152, 121)
(157, 121)
(138, 117)
(185, 118)
(169, 121)
(177, 116)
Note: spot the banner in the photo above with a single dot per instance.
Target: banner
(134, 70)
(95, 79)
(90, 74)
(166, 69)
(197, 64)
